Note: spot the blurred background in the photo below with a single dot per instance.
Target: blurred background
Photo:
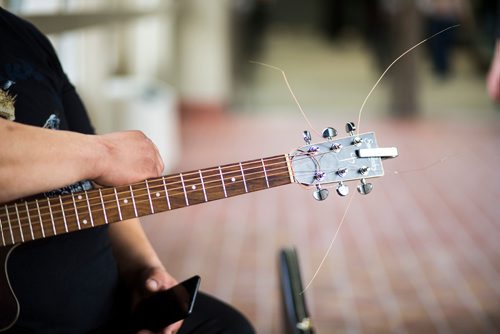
(420, 254)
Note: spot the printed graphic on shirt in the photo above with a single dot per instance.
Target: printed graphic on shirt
(53, 123)
(7, 101)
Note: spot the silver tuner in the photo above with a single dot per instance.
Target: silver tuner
(329, 133)
(364, 170)
(342, 172)
(336, 147)
(365, 188)
(350, 127)
(320, 194)
(307, 136)
(319, 176)
(342, 189)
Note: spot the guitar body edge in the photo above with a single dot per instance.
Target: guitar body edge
(9, 305)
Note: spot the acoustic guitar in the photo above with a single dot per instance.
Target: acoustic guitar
(319, 166)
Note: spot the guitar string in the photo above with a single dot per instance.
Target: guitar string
(35, 227)
(176, 176)
(85, 205)
(332, 241)
(290, 90)
(111, 196)
(392, 64)
(154, 187)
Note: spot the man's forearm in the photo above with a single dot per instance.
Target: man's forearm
(34, 160)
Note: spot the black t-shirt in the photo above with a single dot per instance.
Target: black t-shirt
(64, 284)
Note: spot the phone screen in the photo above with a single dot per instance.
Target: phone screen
(166, 307)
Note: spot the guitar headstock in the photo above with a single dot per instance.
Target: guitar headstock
(336, 161)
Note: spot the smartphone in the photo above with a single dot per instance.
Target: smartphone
(166, 307)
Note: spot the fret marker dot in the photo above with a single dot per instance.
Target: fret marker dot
(80, 197)
(85, 222)
(233, 179)
(125, 201)
(157, 194)
(193, 187)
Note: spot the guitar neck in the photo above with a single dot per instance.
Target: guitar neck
(45, 217)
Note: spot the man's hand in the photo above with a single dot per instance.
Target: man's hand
(155, 280)
(127, 157)
(35, 160)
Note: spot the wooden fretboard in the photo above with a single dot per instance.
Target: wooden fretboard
(24, 221)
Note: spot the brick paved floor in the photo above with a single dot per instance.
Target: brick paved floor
(420, 254)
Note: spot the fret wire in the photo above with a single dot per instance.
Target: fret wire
(283, 164)
(118, 205)
(164, 185)
(279, 157)
(133, 201)
(222, 179)
(243, 176)
(206, 185)
(265, 172)
(149, 195)
(40, 217)
(10, 226)
(103, 208)
(211, 187)
(166, 193)
(184, 188)
(52, 217)
(90, 210)
(203, 186)
(29, 221)
(76, 212)
(19, 223)
(153, 187)
(63, 214)
(1, 231)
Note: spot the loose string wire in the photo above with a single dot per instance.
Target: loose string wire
(330, 246)
(358, 131)
(394, 62)
(290, 90)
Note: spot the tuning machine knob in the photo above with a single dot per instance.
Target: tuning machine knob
(365, 188)
(307, 136)
(320, 194)
(350, 127)
(342, 189)
(329, 133)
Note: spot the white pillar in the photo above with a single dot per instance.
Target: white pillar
(203, 56)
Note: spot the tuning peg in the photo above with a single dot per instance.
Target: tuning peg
(329, 133)
(336, 147)
(307, 136)
(342, 172)
(350, 127)
(364, 170)
(365, 188)
(320, 194)
(342, 189)
(319, 176)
